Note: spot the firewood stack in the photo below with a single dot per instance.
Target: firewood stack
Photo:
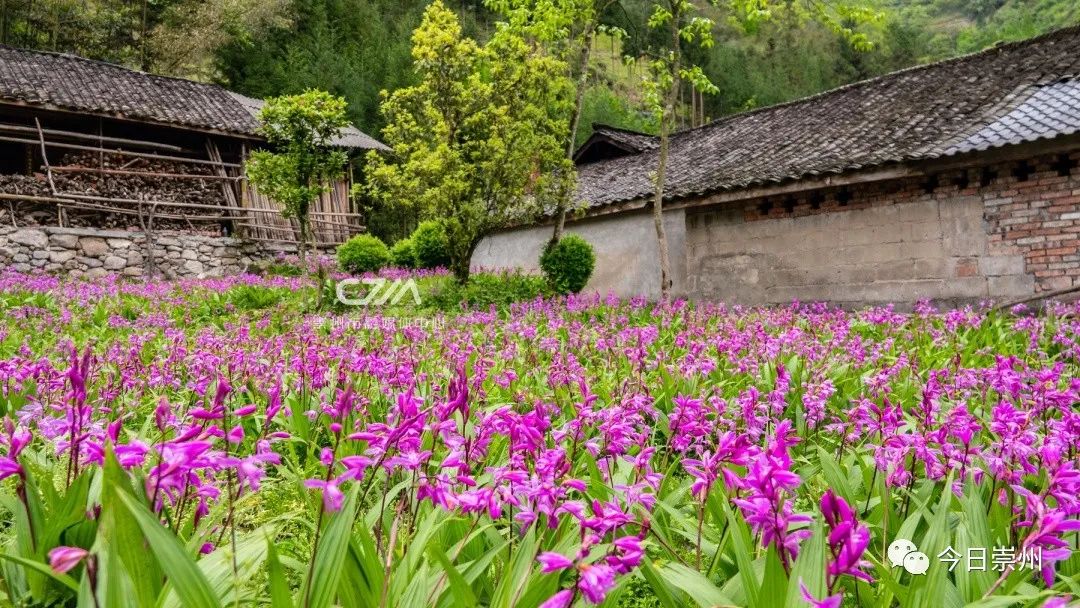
(80, 173)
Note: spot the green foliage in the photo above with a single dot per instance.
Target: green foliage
(478, 141)
(484, 290)
(352, 48)
(301, 129)
(568, 264)
(602, 105)
(363, 253)
(430, 246)
(402, 254)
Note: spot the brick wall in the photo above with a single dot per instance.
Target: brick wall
(962, 236)
(1033, 209)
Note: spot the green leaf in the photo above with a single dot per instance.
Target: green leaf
(327, 566)
(774, 587)
(740, 536)
(836, 478)
(463, 594)
(809, 568)
(280, 597)
(693, 583)
(516, 573)
(63, 579)
(184, 574)
(127, 571)
(659, 586)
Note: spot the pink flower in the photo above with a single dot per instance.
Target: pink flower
(62, 559)
(595, 581)
(833, 601)
(561, 599)
(333, 498)
(553, 562)
(9, 467)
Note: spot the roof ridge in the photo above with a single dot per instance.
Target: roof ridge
(599, 125)
(1001, 46)
(109, 64)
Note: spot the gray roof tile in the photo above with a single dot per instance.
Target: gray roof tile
(1008, 94)
(73, 83)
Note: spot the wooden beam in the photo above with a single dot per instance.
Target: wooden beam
(179, 159)
(48, 107)
(75, 169)
(95, 138)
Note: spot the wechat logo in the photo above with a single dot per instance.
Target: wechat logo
(903, 553)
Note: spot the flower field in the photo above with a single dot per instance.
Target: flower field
(209, 443)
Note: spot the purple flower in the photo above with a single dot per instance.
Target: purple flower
(62, 559)
(595, 580)
(333, 498)
(553, 562)
(9, 467)
(848, 540)
(832, 601)
(768, 506)
(561, 599)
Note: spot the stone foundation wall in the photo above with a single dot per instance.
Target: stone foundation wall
(82, 252)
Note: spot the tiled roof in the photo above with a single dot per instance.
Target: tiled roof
(1008, 94)
(350, 137)
(1048, 111)
(76, 84)
(610, 142)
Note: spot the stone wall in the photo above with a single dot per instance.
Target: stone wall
(90, 253)
(958, 237)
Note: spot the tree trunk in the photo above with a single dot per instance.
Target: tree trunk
(575, 120)
(658, 213)
(666, 116)
(143, 51)
(460, 266)
(301, 248)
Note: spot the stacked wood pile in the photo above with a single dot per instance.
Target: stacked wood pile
(104, 176)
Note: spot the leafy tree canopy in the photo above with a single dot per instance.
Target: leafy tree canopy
(478, 140)
(301, 129)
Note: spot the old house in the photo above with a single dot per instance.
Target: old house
(955, 182)
(89, 146)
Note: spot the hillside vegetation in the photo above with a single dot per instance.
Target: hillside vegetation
(357, 48)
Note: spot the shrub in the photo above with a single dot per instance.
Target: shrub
(402, 254)
(430, 245)
(363, 253)
(568, 264)
(486, 289)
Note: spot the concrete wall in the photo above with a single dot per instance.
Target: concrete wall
(999, 232)
(626, 251)
(925, 248)
(1002, 232)
(90, 252)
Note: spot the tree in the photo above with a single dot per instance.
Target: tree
(478, 141)
(569, 27)
(683, 28)
(300, 129)
(667, 72)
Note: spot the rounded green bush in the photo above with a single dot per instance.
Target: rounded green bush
(402, 254)
(363, 253)
(568, 264)
(430, 245)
